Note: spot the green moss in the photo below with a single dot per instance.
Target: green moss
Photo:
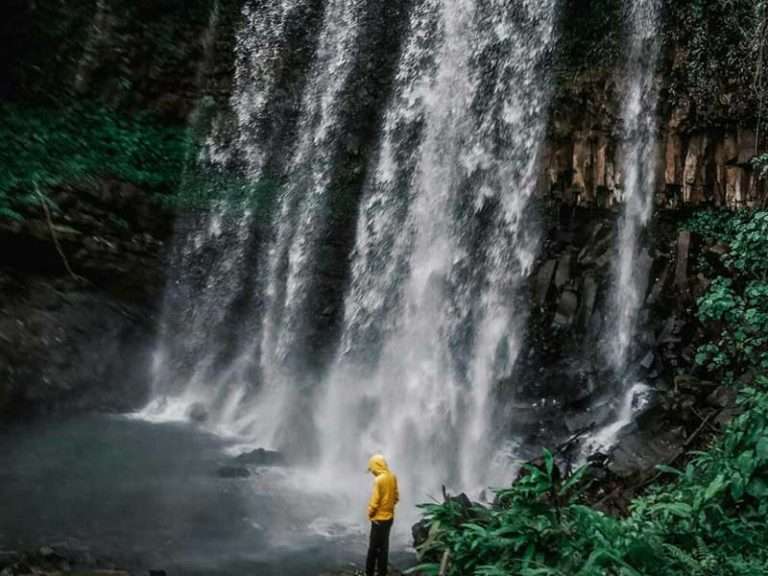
(48, 147)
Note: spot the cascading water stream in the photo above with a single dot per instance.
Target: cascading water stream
(214, 250)
(245, 380)
(301, 214)
(434, 314)
(443, 246)
(639, 166)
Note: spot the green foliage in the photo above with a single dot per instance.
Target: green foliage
(742, 320)
(44, 148)
(760, 164)
(715, 225)
(718, 44)
(735, 309)
(712, 520)
(48, 147)
(590, 35)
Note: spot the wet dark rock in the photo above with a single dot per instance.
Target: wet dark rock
(566, 309)
(647, 361)
(233, 472)
(563, 274)
(588, 299)
(686, 384)
(670, 333)
(81, 343)
(544, 282)
(681, 270)
(658, 286)
(640, 451)
(589, 417)
(699, 286)
(261, 457)
(198, 413)
(723, 397)
(725, 416)
(718, 249)
(420, 532)
(74, 348)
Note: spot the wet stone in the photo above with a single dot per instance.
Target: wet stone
(544, 282)
(198, 413)
(563, 274)
(233, 472)
(261, 457)
(566, 309)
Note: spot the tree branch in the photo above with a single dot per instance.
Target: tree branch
(54, 237)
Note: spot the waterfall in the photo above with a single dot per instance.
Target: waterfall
(639, 166)
(434, 308)
(207, 344)
(301, 214)
(443, 246)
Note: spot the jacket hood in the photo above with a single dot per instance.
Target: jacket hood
(377, 465)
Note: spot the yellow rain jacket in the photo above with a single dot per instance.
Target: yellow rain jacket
(381, 507)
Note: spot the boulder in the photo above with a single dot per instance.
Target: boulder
(566, 309)
(647, 360)
(638, 452)
(233, 472)
(722, 397)
(198, 413)
(658, 286)
(261, 457)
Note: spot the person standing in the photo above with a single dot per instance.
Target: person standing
(381, 513)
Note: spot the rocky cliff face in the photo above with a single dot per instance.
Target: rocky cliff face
(698, 164)
(80, 342)
(175, 59)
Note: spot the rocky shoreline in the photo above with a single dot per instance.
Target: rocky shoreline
(50, 561)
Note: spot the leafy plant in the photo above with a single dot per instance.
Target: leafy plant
(712, 520)
(735, 309)
(50, 147)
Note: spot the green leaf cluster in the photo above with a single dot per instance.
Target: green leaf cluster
(760, 164)
(734, 309)
(718, 45)
(47, 147)
(711, 520)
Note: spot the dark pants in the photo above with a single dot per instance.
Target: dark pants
(378, 549)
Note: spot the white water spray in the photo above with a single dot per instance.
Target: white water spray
(639, 165)
(442, 247)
